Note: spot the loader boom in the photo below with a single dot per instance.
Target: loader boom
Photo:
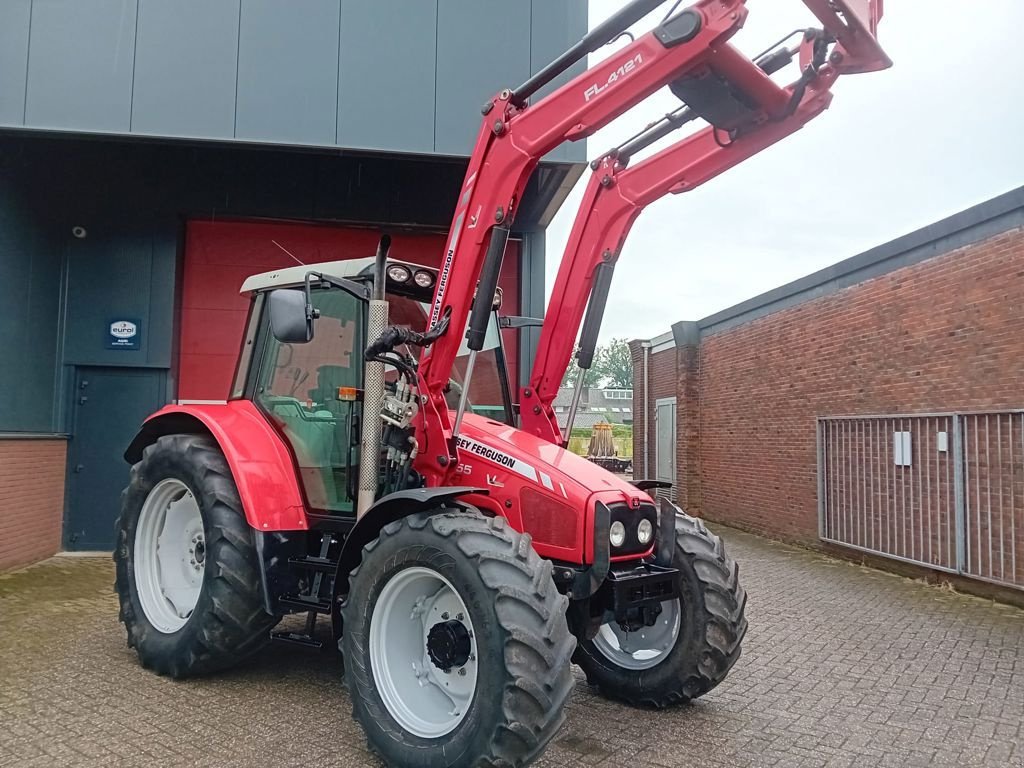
(514, 135)
(617, 193)
(512, 138)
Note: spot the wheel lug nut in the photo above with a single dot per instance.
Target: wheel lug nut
(459, 616)
(462, 671)
(445, 615)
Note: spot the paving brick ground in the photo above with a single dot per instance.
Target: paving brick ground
(843, 666)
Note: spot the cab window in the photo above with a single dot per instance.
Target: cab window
(305, 389)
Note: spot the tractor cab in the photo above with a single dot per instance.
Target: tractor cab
(308, 379)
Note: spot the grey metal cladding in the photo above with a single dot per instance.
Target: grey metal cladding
(80, 59)
(384, 75)
(29, 310)
(14, 23)
(386, 78)
(480, 50)
(112, 277)
(185, 71)
(554, 27)
(288, 72)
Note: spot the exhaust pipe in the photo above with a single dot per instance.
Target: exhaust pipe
(373, 388)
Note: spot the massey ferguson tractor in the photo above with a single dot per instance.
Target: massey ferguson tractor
(371, 464)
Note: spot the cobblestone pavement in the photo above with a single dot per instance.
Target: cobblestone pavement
(843, 666)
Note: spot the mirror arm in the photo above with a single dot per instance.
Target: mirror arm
(357, 290)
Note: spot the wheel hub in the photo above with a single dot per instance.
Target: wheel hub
(641, 644)
(197, 552)
(420, 634)
(170, 555)
(448, 644)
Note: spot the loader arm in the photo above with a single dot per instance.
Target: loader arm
(512, 138)
(618, 193)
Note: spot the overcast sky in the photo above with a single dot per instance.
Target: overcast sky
(942, 130)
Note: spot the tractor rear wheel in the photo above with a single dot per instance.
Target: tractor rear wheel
(457, 651)
(695, 640)
(187, 570)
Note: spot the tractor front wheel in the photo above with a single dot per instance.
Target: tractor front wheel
(187, 570)
(693, 643)
(457, 651)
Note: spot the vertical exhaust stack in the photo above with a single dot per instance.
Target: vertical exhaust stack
(373, 387)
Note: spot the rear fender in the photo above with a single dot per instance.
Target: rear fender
(385, 510)
(260, 462)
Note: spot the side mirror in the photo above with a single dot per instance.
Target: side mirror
(289, 320)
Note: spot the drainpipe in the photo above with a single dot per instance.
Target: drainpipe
(646, 345)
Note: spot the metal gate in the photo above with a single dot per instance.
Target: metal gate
(945, 490)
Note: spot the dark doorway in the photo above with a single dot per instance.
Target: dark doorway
(108, 407)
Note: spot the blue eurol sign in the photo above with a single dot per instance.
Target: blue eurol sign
(123, 334)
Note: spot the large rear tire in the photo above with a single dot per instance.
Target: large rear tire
(188, 576)
(694, 642)
(457, 651)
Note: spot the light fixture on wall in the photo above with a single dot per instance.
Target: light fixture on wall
(79, 232)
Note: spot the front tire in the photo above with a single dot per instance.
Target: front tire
(694, 642)
(187, 569)
(457, 651)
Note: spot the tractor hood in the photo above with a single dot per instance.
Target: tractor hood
(543, 488)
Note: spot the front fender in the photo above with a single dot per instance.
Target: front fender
(261, 464)
(386, 510)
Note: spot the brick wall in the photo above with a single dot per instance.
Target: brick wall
(31, 500)
(944, 334)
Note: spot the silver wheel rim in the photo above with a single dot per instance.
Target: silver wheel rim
(420, 696)
(644, 648)
(170, 555)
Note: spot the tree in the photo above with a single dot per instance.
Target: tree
(615, 364)
(612, 367)
(591, 379)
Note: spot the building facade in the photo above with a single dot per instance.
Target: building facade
(596, 406)
(154, 154)
(871, 407)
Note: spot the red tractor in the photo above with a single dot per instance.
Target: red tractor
(464, 557)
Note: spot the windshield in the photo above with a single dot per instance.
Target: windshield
(485, 391)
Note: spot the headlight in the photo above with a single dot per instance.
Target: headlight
(423, 279)
(398, 273)
(645, 531)
(617, 534)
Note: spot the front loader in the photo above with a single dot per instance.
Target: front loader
(370, 465)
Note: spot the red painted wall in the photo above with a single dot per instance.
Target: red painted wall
(219, 255)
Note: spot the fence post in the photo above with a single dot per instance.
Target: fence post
(958, 493)
(818, 430)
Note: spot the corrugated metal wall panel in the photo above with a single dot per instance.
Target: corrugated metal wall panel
(14, 23)
(113, 279)
(80, 60)
(295, 103)
(555, 27)
(387, 70)
(30, 267)
(480, 50)
(185, 71)
(389, 75)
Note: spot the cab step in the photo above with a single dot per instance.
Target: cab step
(317, 564)
(304, 603)
(297, 638)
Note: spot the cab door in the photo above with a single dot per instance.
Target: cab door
(308, 392)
